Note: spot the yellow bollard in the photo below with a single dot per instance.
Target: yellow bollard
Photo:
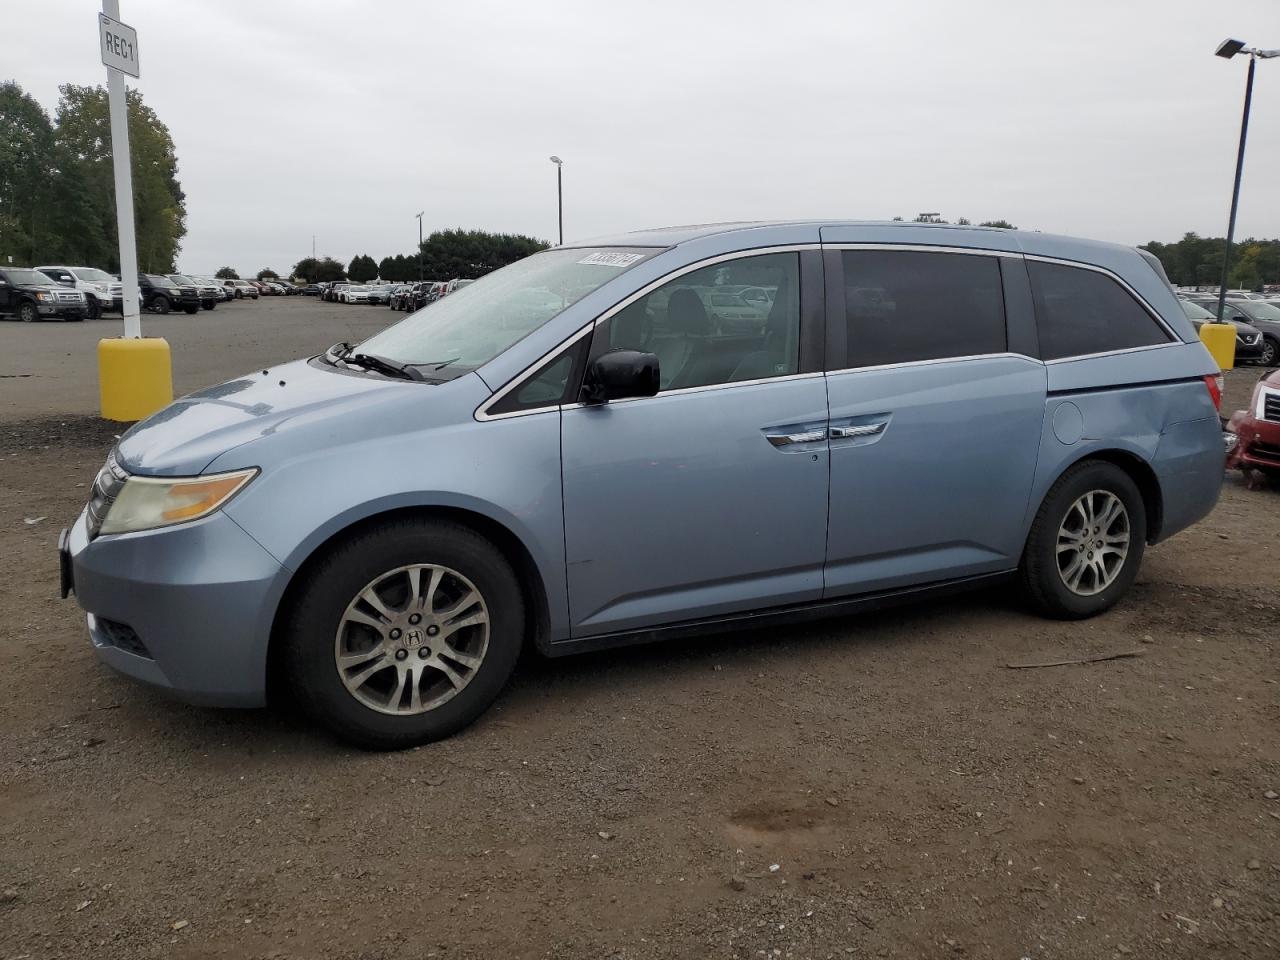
(135, 377)
(1220, 338)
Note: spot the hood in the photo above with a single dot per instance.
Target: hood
(190, 433)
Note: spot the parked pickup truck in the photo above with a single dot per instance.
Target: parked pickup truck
(31, 295)
(102, 291)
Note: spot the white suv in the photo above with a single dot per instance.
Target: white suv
(101, 290)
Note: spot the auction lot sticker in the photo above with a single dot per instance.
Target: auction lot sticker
(612, 259)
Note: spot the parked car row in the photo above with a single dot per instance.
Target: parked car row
(1257, 324)
(398, 296)
(63, 292)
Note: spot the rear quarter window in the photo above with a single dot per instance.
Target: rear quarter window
(1081, 312)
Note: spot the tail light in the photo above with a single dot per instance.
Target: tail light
(1214, 382)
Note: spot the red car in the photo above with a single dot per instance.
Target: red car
(1257, 430)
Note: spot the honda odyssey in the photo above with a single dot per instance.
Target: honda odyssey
(581, 451)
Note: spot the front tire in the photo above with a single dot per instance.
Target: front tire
(95, 309)
(191, 310)
(1086, 542)
(404, 633)
(28, 313)
(160, 305)
(1270, 352)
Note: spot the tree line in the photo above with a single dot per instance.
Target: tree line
(1196, 261)
(57, 185)
(444, 255)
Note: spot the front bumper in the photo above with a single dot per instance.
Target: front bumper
(1257, 442)
(1249, 351)
(185, 608)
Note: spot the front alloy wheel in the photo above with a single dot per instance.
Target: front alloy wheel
(404, 632)
(1270, 352)
(412, 639)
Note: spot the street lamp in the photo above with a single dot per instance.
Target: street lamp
(560, 194)
(1228, 49)
(419, 216)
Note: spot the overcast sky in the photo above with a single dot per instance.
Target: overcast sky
(1110, 120)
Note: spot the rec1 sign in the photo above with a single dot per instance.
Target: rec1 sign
(119, 45)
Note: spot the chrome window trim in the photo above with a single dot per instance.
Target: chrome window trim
(926, 248)
(1115, 353)
(1155, 314)
(933, 361)
(482, 412)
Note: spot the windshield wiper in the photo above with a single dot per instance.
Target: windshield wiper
(373, 362)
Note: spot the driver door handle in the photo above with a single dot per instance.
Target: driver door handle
(857, 430)
(805, 436)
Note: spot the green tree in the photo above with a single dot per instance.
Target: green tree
(362, 268)
(83, 138)
(323, 270)
(1002, 224)
(468, 254)
(26, 153)
(267, 273)
(226, 273)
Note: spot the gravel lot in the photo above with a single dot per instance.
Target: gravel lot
(874, 787)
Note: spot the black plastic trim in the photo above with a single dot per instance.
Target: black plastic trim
(775, 616)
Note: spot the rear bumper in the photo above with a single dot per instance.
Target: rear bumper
(1188, 464)
(187, 609)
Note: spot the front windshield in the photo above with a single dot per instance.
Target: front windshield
(93, 275)
(162, 282)
(1259, 310)
(29, 278)
(179, 278)
(1194, 311)
(477, 322)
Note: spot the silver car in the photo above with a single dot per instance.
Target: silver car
(567, 455)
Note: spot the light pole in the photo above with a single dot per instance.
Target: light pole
(1228, 49)
(560, 194)
(419, 216)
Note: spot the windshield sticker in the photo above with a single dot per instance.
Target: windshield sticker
(613, 259)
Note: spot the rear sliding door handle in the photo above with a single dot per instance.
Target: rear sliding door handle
(857, 430)
(805, 436)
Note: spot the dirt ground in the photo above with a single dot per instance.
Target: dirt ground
(882, 786)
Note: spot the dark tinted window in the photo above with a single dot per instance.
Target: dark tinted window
(1079, 312)
(903, 306)
(549, 385)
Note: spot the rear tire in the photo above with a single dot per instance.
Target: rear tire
(1086, 542)
(321, 628)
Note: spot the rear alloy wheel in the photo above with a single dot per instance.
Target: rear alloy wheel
(1270, 352)
(160, 304)
(28, 313)
(405, 633)
(1086, 542)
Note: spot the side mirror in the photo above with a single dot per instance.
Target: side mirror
(620, 374)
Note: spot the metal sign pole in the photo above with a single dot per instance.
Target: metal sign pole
(124, 189)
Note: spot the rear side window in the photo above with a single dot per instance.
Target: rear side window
(1080, 312)
(903, 306)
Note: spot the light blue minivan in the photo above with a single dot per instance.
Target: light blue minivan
(652, 435)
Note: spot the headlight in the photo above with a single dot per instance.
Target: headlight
(44, 296)
(149, 502)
